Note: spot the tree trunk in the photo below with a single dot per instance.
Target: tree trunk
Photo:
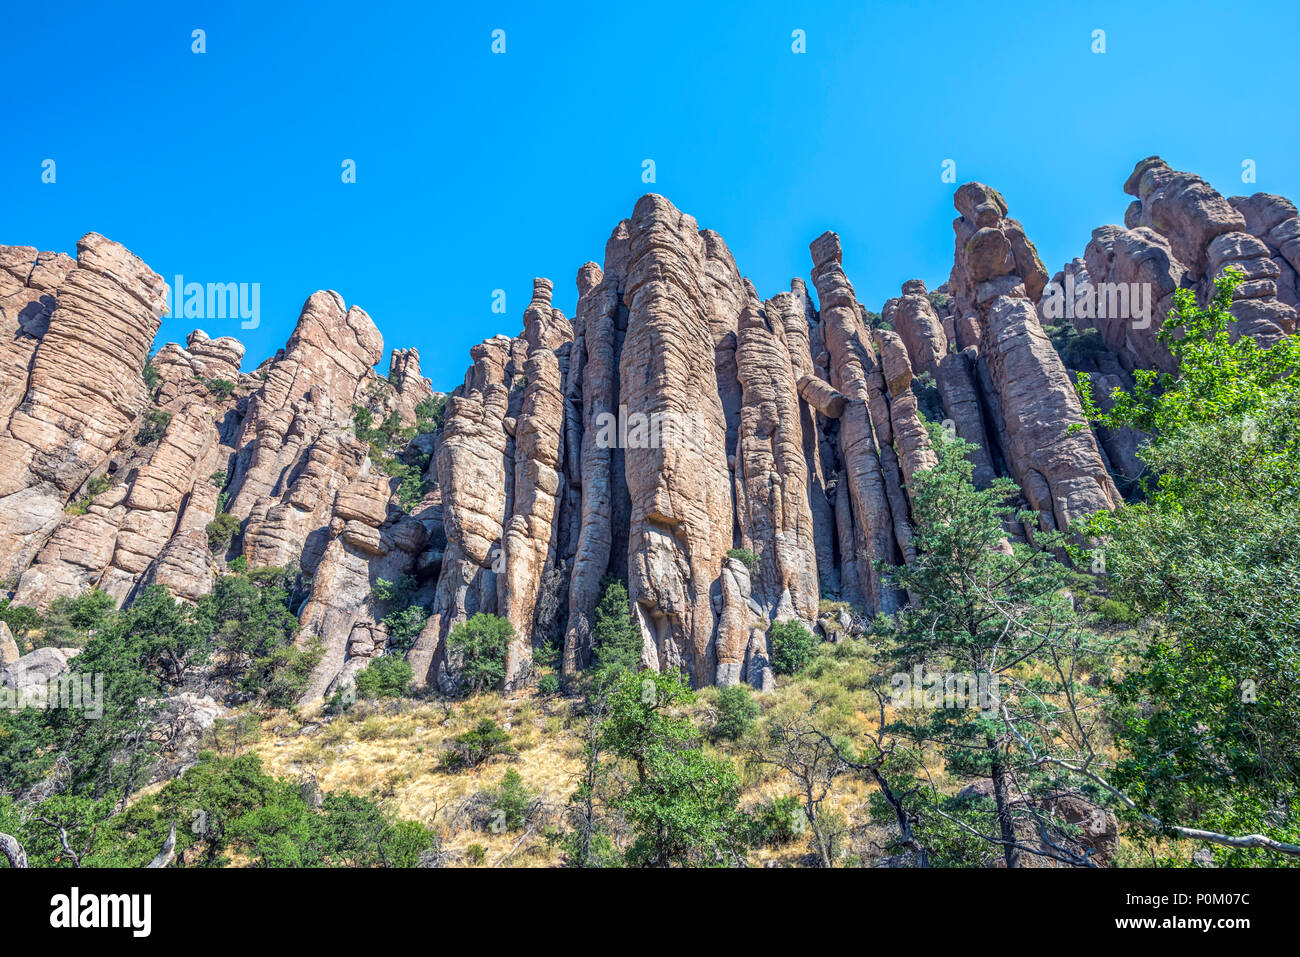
(12, 850)
(1002, 796)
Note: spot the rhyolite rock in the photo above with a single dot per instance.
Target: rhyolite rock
(733, 459)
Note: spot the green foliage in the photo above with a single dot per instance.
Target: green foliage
(474, 747)
(681, 805)
(615, 638)
(1208, 718)
(480, 646)
(548, 684)
(745, 557)
(939, 300)
(153, 426)
(71, 618)
(405, 626)
(252, 631)
(386, 677)
(512, 801)
(221, 388)
(736, 710)
(983, 612)
(221, 532)
(399, 592)
(1117, 612)
(20, 618)
(429, 413)
(777, 822)
(229, 805)
(152, 378)
(1076, 349)
(386, 440)
(475, 855)
(791, 646)
(928, 398)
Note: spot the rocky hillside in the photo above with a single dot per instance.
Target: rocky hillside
(735, 459)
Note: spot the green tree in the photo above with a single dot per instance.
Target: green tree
(386, 677)
(1208, 718)
(253, 629)
(512, 802)
(736, 711)
(1000, 653)
(791, 646)
(616, 638)
(479, 645)
(682, 805)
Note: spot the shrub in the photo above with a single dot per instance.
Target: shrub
(616, 639)
(154, 425)
(791, 646)
(475, 855)
(70, 619)
(469, 750)
(512, 802)
(221, 388)
(398, 591)
(1117, 612)
(20, 618)
(776, 822)
(429, 413)
(548, 684)
(405, 626)
(737, 710)
(221, 532)
(385, 677)
(481, 645)
(151, 376)
(746, 558)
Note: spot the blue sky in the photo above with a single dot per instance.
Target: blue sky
(478, 171)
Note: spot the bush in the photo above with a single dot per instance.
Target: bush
(151, 376)
(481, 645)
(548, 684)
(70, 619)
(778, 821)
(385, 677)
(429, 413)
(222, 388)
(615, 638)
(512, 802)
(791, 647)
(475, 855)
(737, 710)
(1117, 612)
(405, 626)
(746, 558)
(469, 750)
(221, 532)
(154, 425)
(20, 618)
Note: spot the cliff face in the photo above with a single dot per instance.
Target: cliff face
(676, 417)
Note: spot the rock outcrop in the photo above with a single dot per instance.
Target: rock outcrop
(734, 460)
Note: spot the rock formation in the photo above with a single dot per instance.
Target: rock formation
(733, 459)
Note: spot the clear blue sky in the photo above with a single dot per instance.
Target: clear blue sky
(478, 171)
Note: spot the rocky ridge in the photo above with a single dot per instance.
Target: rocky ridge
(674, 429)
